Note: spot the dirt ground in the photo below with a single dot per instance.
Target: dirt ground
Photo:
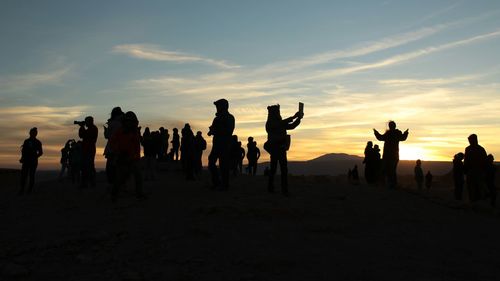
(326, 230)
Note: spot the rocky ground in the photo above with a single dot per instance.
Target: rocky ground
(327, 230)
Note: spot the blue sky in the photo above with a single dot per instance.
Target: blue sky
(432, 66)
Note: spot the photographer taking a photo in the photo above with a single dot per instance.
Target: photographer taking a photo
(88, 133)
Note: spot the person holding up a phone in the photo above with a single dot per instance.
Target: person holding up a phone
(278, 142)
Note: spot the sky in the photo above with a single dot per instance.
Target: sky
(432, 66)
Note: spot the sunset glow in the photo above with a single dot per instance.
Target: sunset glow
(432, 66)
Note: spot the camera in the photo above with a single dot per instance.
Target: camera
(80, 123)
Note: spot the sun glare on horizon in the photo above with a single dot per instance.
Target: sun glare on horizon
(409, 152)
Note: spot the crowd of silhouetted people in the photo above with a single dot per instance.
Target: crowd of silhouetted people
(473, 168)
(123, 151)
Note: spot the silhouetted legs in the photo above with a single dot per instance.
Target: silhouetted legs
(252, 167)
(123, 172)
(150, 167)
(492, 193)
(88, 170)
(221, 154)
(459, 187)
(390, 172)
(76, 171)
(279, 156)
(474, 185)
(176, 153)
(64, 168)
(28, 169)
(198, 164)
(420, 184)
(110, 168)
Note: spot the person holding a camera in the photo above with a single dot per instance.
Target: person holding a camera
(88, 133)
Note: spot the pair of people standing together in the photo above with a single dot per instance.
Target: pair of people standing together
(278, 142)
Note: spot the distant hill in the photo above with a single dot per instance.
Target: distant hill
(336, 157)
(339, 163)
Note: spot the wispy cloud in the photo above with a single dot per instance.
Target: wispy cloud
(32, 80)
(355, 51)
(400, 58)
(155, 53)
(428, 82)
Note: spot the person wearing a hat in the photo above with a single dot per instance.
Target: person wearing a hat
(31, 151)
(222, 130)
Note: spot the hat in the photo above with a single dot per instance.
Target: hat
(222, 102)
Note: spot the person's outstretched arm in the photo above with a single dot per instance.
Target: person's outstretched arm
(378, 135)
(291, 123)
(404, 136)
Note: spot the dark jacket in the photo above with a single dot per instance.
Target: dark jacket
(31, 150)
(391, 139)
(475, 159)
(89, 138)
(276, 132)
(222, 128)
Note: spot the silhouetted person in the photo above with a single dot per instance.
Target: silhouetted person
(253, 155)
(200, 144)
(88, 132)
(126, 143)
(474, 166)
(65, 159)
(371, 163)
(355, 174)
(156, 146)
(221, 129)
(428, 180)
(278, 142)
(187, 151)
(391, 139)
(491, 170)
(30, 152)
(114, 122)
(163, 143)
(458, 175)
(176, 143)
(148, 147)
(419, 174)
